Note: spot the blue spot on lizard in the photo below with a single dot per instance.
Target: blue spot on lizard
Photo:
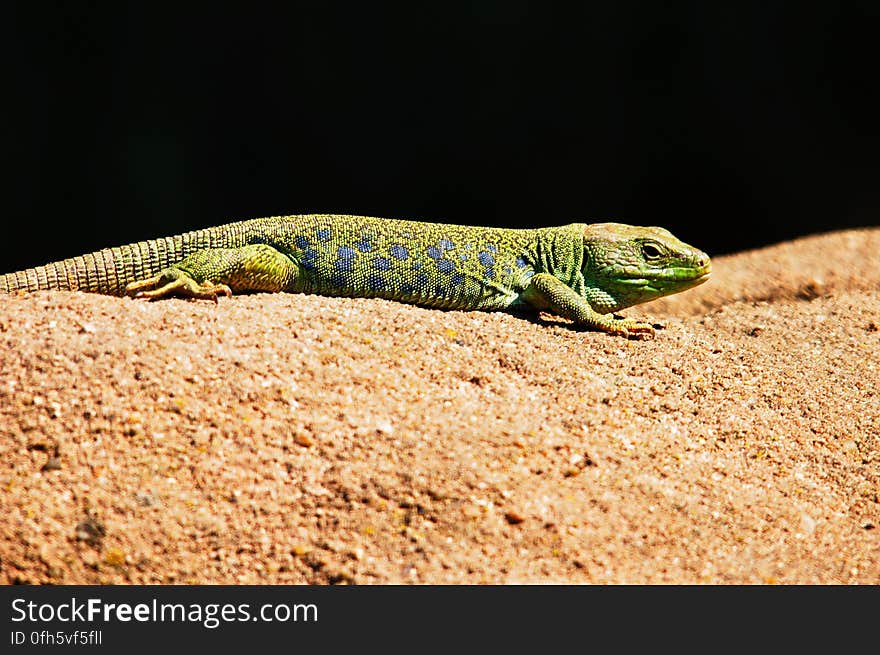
(308, 259)
(445, 265)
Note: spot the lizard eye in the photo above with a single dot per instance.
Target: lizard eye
(651, 251)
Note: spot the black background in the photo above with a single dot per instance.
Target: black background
(733, 124)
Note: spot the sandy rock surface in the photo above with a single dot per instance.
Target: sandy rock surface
(300, 439)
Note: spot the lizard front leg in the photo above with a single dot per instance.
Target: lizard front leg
(546, 292)
(211, 272)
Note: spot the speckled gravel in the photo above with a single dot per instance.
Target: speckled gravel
(299, 439)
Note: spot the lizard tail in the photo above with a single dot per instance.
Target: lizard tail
(110, 270)
(105, 271)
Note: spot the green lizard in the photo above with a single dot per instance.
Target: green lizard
(583, 272)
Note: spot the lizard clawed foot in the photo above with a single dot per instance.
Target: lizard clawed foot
(633, 329)
(172, 282)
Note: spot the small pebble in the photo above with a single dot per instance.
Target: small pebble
(52, 464)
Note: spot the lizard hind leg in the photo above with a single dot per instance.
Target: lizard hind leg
(175, 282)
(211, 272)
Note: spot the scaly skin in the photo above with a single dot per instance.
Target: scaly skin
(583, 272)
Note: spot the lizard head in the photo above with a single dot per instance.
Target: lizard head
(625, 265)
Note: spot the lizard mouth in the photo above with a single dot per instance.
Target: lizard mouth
(691, 279)
(682, 275)
(703, 278)
(704, 273)
(666, 281)
(693, 275)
